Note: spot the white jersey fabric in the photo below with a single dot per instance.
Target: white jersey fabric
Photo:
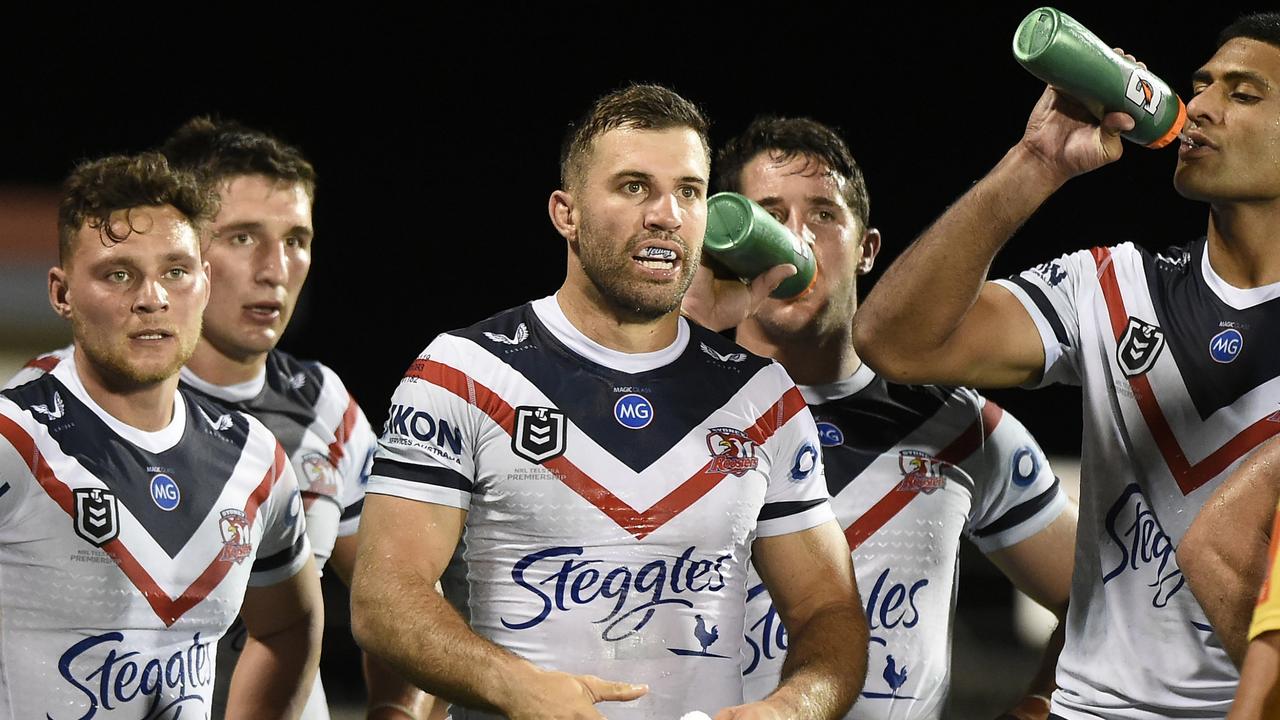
(329, 445)
(612, 498)
(124, 554)
(1179, 372)
(911, 469)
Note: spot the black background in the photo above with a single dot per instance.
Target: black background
(436, 132)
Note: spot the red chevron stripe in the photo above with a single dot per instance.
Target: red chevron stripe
(166, 608)
(1188, 476)
(639, 524)
(897, 499)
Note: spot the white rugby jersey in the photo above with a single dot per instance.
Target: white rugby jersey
(328, 442)
(124, 554)
(910, 470)
(612, 497)
(1179, 373)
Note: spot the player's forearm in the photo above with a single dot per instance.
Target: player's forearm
(826, 664)
(1226, 588)
(1044, 683)
(923, 297)
(274, 674)
(391, 696)
(419, 635)
(1258, 695)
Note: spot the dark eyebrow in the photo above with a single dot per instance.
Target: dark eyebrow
(638, 175)
(1233, 76)
(257, 227)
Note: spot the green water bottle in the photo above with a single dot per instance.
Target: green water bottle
(1062, 52)
(747, 240)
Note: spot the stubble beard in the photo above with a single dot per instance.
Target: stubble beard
(114, 363)
(612, 274)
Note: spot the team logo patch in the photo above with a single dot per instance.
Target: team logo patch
(164, 492)
(539, 433)
(1026, 466)
(829, 435)
(520, 335)
(1226, 345)
(633, 411)
(298, 381)
(234, 525)
(1139, 347)
(318, 475)
(921, 472)
(806, 460)
(733, 357)
(732, 452)
(97, 517)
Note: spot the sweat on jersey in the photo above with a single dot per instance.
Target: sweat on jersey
(124, 554)
(612, 498)
(1179, 373)
(328, 443)
(911, 469)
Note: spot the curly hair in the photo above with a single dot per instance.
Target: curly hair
(789, 138)
(644, 107)
(1260, 26)
(216, 150)
(96, 189)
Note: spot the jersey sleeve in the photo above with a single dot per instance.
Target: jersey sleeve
(1016, 494)
(1266, 616)
(355, 477)
(1050, 292)
(796, 498)
(427, 450)
(284, 547)
(37, 366)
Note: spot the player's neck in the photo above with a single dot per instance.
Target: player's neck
(146, 406)
(810, 359)
(216, 367)
(1245, 239)
(613, 327)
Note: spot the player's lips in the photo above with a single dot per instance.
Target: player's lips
(265, 312)
(659, 259)
(151, 335)
(1195, 144)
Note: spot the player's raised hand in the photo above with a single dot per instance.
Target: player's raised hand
(719, 303)
(561, 696)
(1069, 139)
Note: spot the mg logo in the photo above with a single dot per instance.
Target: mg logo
(164, 492)
(1226, 345)
(633, 411)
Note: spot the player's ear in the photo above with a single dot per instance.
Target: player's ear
(561, 209)
(870, 248)
(59, 292)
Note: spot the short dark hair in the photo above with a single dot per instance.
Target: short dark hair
(95, 189)
(788, 138)
(217, 150)
(1261, 26)
(644, 107)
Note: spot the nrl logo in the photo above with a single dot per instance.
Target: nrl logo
(521, 334)
(736, 357)
(1139, 347)
(97, 515)
(539, 433)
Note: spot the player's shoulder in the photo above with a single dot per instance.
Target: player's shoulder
(39, 365)
(213, 418)
(721, 353)
(302, 380)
